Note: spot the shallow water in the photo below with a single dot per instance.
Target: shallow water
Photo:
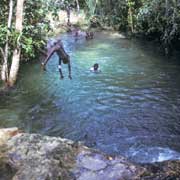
(131, 108)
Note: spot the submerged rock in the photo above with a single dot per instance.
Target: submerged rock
(37, 157)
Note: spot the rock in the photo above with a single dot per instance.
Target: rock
(42, 157)
(6, 170)
(162, 170)
(37, 157)
(95, 165)
(7, 133)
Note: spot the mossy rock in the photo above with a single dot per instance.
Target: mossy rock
(6, 171)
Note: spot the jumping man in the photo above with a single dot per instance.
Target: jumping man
(59, 49)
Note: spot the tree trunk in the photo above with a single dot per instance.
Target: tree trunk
(17, 52)
(130, 16)
(68, 10)
(166, 42)
(77, 6)
(167, 7)
(131, 19)
(4, 70)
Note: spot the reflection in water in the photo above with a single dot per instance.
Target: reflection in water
(130, 108)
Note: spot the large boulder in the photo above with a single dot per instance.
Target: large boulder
(6, 170)
(36, 157)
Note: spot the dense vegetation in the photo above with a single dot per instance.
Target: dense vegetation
(155, 19)
(26, 41)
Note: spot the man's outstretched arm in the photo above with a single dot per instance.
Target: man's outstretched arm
(47, 58)
(42, 51)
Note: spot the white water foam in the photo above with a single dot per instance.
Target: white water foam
(152, 154)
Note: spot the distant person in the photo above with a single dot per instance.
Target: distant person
(78, 33)
(95, 68)
(92, 35)
(89, 35)
(59, 49)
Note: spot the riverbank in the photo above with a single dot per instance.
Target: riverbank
(59, 25)
(32, 156)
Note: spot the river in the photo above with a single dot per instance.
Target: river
(131, 108)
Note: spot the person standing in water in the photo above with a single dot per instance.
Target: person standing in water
(63, 56)
(89, 35)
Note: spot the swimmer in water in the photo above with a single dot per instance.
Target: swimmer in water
(95, 68)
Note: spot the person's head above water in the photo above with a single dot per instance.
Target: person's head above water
(96, 66)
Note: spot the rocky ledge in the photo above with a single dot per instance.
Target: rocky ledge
(36, 157)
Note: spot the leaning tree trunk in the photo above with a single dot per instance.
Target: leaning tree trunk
(17, 51)
(4, 70)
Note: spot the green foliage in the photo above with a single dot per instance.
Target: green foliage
(35, 28)
(113, 13)
(3, 32)
(160, 19)
(155, 18)
(36, 24)
(151, 17)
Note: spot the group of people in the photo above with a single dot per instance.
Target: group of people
(88, 34)
(57, 47)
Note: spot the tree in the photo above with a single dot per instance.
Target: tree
(4, 70)
(160, 20)
(17, 51)
(130, 15)
(77, 6)
(17, 42)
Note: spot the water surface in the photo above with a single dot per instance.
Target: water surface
(131, 108)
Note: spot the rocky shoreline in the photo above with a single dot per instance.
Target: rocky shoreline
(35, 157)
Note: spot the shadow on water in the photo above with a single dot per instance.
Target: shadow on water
(130, 108)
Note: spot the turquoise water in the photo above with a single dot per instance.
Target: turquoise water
(131, 108)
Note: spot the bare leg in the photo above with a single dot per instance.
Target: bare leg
(60, 69)
(69, 69)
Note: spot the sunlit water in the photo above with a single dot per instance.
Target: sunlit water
(131, 108)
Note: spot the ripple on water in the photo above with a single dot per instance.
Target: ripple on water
(152, 154)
